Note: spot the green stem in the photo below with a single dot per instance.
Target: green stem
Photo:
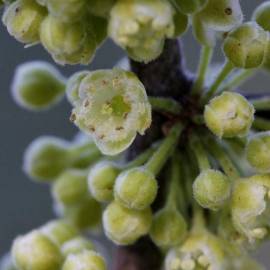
(200, 153)
(261, 124)
(237, 79)
(198, 222)
(142, 158)
(191, 171)
(225, 71)
(261, 104)
(165, 105)
(159, 158)
(236, 154)
(225, 162)
(83, 155)
(205, 59)
(176, 196)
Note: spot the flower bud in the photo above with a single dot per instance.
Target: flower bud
(66, 10)
(168, 228)
(68, 43)
(201, 250)
(189, 6)
(180, 23)
(266, 63)
(262, 14)
(250, 213)
(118, 116)
(246, 45)
(229, 115)
(136, 188)
(258, 151)
(86, 260)
(141, 26)
(84, 216)
(45, 158)
(37, 85)
(101, 180)
(6, 263)
(73, 85)
(221, 15)
(125, 226)
(100, 8)
(34, 251)
(59, 231)
(70, 188)
(23, 18)
(76, 245)
(212, 189)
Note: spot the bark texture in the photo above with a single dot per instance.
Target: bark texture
(163, 77)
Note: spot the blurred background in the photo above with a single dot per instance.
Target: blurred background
(23, 204)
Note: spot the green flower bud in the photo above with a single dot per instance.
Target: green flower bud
(59, 231)
(141, 26)
(45, 158)
(101, 180)
(212, 189)
(100, 8)
(168, 228)
(266, 63)
(136, 188)
(66, 10)
(262, 14)
(68, 43)
(125, 226)
(73, 85)
(229, 115)
(180, 23)
(23, 18)
(70, 188)
(6, 263)
(258, 151)
(246, 45)
(34, 251)
(189, 6)
(216, 16)
(37, 85)
(112, 120)
(85, 216)
(86, 260)
(76, 245)
(200, 251)
(250, 201)
(221, 15)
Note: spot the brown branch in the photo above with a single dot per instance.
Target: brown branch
(163, 77)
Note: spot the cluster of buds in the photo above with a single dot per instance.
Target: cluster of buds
(214, 157)
(72, 30)
(56, 245)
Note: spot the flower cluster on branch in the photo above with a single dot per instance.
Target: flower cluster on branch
(214, 156)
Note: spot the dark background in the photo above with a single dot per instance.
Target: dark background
(23, 204)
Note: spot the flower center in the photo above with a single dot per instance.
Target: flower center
(116, 107)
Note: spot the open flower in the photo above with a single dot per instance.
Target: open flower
(201, 251)
(112, 107)
(141, 26)
(250, 207)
